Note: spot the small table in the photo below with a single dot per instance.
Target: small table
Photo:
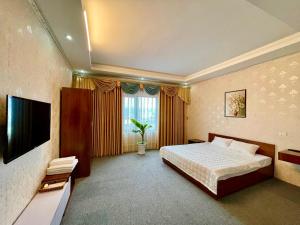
(289, 156)
(194, 141)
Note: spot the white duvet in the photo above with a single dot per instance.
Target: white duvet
(208, 163)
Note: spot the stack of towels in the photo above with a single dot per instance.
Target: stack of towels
(62, 165)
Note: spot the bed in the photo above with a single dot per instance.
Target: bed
(217, 171)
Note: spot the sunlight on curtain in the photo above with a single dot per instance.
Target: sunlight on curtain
(144, 108)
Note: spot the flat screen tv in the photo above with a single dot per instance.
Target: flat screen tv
(28, 126)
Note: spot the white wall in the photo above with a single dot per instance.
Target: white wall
(31, 67)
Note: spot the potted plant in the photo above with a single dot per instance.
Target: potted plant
(141, 129)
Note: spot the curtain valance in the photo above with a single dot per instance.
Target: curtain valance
(169, 90)
(130, 88)
(92, 84)
(105, 85)
(182, 92)
(133, 88)
(151, 89)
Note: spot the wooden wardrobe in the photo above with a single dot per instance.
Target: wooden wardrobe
(76, 127)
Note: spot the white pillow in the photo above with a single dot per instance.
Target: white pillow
(222, 142)
(243, 147)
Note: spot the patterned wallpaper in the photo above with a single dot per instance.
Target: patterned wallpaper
(273, 108)
(31, 67)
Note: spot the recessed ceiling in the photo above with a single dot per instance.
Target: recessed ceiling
(175, 36)
(65, 18)
(171, 39)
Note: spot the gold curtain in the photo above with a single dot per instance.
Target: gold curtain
(172, 115)
(82, 82)
(107, 125)
(106, 114)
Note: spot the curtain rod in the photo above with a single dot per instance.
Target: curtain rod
(132, 80)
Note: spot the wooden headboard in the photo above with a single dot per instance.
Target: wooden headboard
(264, 148)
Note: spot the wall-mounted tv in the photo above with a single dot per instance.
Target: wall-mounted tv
(28, 126)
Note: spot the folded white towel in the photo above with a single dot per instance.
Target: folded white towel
(66, 165)
(60, 161)
(68, 168)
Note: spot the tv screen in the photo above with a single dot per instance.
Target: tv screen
(28, 126)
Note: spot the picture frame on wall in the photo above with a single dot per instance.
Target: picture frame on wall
(235, 104)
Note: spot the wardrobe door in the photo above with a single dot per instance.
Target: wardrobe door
(76, 128)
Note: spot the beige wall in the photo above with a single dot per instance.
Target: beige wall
(31, 67)
(273, 107)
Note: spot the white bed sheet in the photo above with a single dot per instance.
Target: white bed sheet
(208, 163)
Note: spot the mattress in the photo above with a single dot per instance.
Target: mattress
(208, 163)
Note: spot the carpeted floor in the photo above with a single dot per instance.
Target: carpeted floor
(133, 189)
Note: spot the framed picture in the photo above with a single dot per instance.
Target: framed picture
(235, 104)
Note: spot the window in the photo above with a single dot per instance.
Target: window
(144, 108)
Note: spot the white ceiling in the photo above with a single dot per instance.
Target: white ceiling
(171, 39)
(287, 11)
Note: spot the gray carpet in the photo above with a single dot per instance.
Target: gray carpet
(133, 189)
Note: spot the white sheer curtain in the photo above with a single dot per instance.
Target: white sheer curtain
(144, 108)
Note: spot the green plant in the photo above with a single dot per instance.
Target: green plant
(141, 129)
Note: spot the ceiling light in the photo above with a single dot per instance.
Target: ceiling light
(81, 71)
(69, 37)
(87, 30)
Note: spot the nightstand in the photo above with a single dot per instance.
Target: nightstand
(194, 141)
(291, 156)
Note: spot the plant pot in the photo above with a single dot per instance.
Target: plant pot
(141, 149)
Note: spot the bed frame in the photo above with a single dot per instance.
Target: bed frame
(234, 184)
